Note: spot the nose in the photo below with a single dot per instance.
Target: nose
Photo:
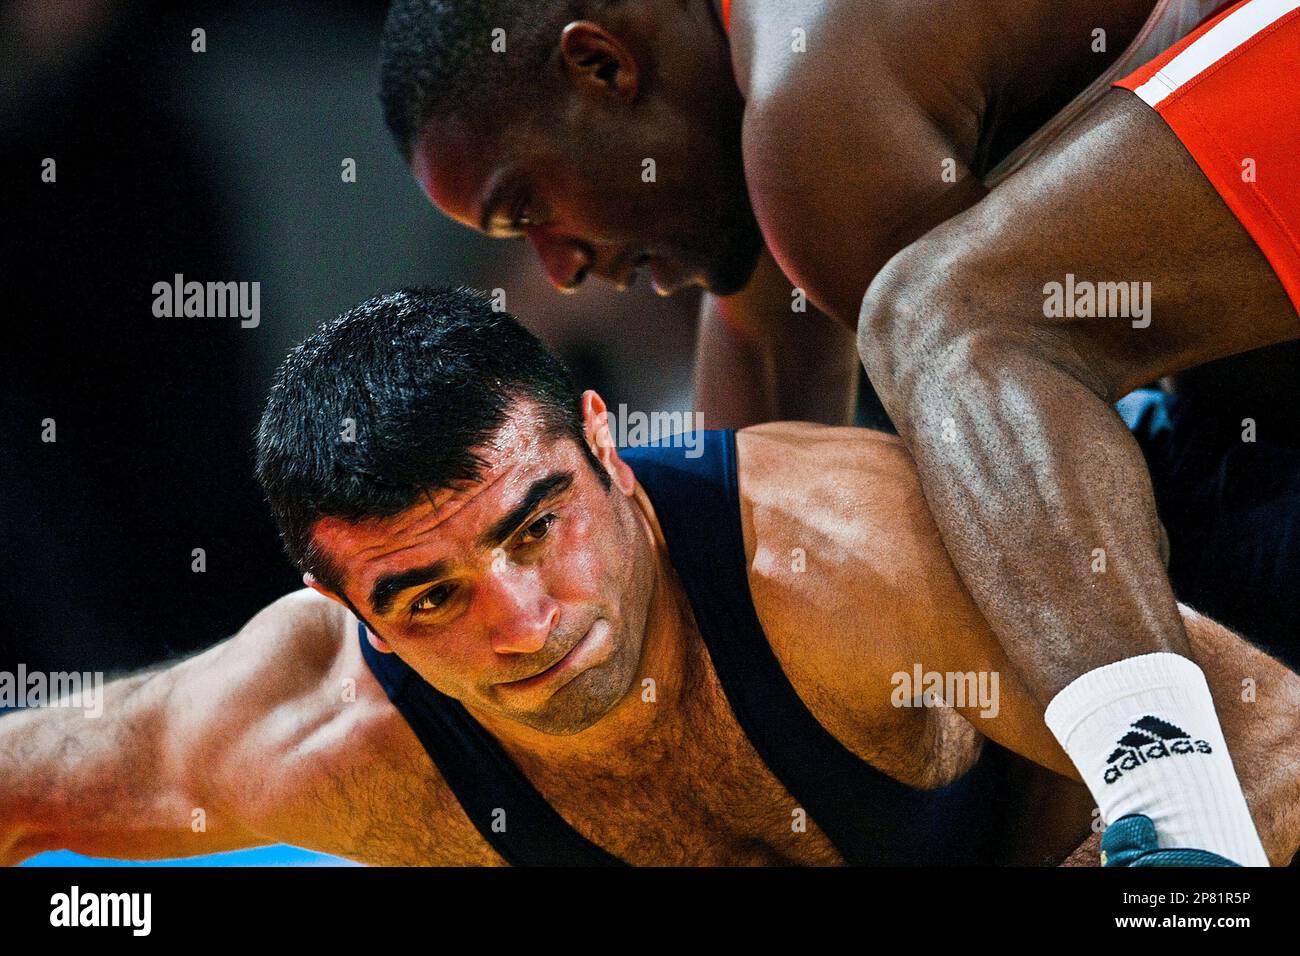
(519, 612)
(565, 261)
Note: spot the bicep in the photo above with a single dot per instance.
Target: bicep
(177, 760)
(935, 623)
(912, 613)
(855, 581)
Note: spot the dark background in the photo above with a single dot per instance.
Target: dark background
(225, 166)
(222, 166)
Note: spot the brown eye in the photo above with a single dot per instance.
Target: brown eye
(433, 599)
(538, 529)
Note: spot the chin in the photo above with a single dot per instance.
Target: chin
(588, 697)
(732, 275)
(578, 710)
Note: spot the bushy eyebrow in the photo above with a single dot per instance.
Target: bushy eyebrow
(388, 586)
(540, 490)
(391, 585)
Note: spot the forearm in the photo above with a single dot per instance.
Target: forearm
(1042, 498)
(1258, 703)
(787, 371)
(735, 384)
(767, 354)
(815, 371)
(106, 785)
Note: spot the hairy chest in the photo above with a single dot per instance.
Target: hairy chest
(696, 794)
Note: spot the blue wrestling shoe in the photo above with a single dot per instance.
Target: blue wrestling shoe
(1131, 841)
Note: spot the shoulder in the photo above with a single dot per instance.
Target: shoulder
(858, 65)
(290, 644)
(313, 752)
(273, 666)
(842, 559)
(854, 589)
(843, 153)
(833, 518)
(780, 459)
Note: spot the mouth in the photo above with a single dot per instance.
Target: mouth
(581, 654)
(667, 278)
(632, 272)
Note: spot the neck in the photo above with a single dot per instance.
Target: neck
(671, 656)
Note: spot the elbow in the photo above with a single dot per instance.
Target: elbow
(942, 323)
(912, 333)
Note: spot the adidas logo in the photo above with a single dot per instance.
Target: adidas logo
(1149, 739)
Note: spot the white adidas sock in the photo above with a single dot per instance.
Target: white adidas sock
(1145, 736)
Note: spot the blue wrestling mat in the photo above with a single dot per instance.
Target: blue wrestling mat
(279, 855)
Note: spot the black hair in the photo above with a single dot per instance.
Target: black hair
(437, 57)
(386, 405)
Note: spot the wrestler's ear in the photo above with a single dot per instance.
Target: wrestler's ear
(595, 426)
(597, 61)
(310, 580)
(375, 641)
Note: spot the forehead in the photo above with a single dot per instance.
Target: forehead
(447, 522)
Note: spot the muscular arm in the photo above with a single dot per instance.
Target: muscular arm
(126, 784)
(1031, 475)
(208, 739)
(1027, 469)
(762, 355)
(879, 595)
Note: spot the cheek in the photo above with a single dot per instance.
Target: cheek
(610, 203)
(613, 217)
(590, 559)
(447, 661)
(577, 560)
(453, 657)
